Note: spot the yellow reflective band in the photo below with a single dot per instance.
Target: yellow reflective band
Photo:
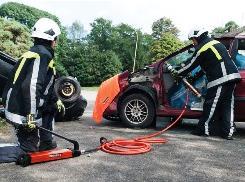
(51, 65)
(210, 45)
(25, 56)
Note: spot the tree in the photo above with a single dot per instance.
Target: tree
(124, 39)
(91, 66)
(76, 31)
(15, 38)
(24, 14)
(166, 45)
(62, 52)
(121, 39)
(163, 25)
(101, 33)
(229, 26)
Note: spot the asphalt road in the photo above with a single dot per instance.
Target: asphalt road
(183, 158)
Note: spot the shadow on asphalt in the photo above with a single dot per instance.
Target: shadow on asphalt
(185, 127)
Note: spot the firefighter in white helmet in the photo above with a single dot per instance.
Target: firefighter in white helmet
(222, 75)
(28, 96)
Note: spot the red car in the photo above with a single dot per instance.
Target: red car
(139, 97)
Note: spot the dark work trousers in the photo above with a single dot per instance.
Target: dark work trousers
(219, 103)
(28, 141)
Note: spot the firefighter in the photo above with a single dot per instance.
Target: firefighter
(29, 97)
(222, 75)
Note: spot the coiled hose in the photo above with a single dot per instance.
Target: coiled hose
(138, 145)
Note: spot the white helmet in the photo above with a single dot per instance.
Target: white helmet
(45, 28)
(194, 33)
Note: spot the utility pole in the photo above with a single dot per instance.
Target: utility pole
(135, 51)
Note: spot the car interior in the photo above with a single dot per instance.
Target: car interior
(175, 90)
(240, 55)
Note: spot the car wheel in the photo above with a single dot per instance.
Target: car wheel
(137, 110)
(67, 89)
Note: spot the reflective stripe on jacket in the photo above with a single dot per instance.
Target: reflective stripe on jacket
(215, 61)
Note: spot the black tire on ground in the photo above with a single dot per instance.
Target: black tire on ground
(73, 110)
(137, 110)
(67, 89)
(76, 110)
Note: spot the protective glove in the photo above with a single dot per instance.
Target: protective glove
(174, 74)
(173, 71)
(30, 122)
(60, 106)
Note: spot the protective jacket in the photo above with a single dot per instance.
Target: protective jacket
(30, 86)
(215, 62)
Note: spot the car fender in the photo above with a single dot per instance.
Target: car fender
(138, 88)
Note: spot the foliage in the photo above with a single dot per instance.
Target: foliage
(101, 33)
(105, 51)
(162, 26)
(24, 14)
(76, 31)
(122, 40)
(61, 51)
(166, 45)
(89, 65)
(15, 38)
(229, 26)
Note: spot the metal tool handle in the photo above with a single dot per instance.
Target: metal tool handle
(193, 89)
(75, 143)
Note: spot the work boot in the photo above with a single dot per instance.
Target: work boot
(227, 137)
(47, 145)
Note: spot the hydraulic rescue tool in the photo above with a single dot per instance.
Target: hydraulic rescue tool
(49, 155)
(187, 84)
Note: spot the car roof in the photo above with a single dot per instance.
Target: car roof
(238, 33)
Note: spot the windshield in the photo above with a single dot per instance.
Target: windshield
(182, 57)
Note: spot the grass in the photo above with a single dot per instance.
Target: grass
(95, 88)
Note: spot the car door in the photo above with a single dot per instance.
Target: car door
(239, 59)
(174, 93)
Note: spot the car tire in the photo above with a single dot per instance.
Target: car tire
(67, 89)
(137, 111)
(73, 110)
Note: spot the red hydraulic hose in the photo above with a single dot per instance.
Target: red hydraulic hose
(138, 145)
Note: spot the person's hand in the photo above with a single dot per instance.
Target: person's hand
(174, 74)
(30, 122)
(60, 106)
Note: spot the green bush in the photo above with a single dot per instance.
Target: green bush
(15, 37)
(26, 15)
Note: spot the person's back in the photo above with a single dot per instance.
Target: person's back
(29, 93)
(222, 75)
(215, 61)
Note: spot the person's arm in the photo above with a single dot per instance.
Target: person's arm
(191, 64)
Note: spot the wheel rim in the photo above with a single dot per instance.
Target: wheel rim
(67, 89)
(136, 111)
